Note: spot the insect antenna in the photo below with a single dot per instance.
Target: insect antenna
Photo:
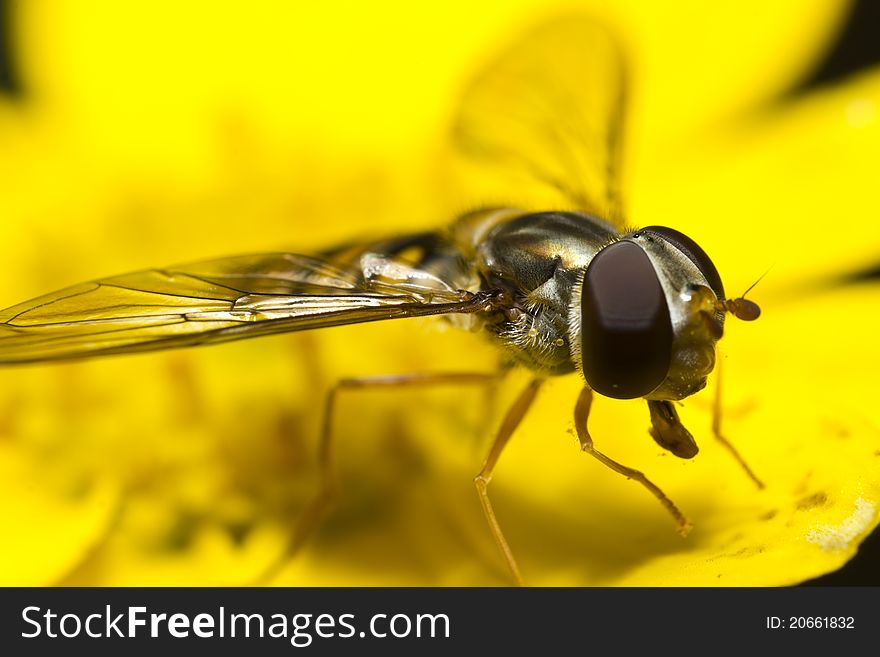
(742, 308)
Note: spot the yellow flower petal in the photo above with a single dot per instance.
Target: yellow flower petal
(53, 523)
(697, 65)
(792, 187)
(158, 102)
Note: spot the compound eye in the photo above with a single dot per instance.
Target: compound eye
(694, 253)
(626, 331)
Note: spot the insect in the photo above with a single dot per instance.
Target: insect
(636, 313)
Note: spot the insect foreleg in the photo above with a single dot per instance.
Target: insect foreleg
(581, 414)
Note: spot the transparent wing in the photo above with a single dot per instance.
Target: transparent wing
(221, 300)
(549, 111)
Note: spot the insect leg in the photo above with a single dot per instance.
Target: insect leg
(328, 487)
(581, 414)
(511, 421)
(720, 437)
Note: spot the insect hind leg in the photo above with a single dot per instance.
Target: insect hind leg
(328, 487)
(509, 424)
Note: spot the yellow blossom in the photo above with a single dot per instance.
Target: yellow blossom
(172, 132)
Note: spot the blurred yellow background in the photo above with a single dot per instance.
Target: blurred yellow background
(156, 133)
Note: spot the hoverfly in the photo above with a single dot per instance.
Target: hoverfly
(633, 312)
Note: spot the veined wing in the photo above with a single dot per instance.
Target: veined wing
(220, 300)
(549, 111)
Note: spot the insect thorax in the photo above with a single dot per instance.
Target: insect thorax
(536, 259)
